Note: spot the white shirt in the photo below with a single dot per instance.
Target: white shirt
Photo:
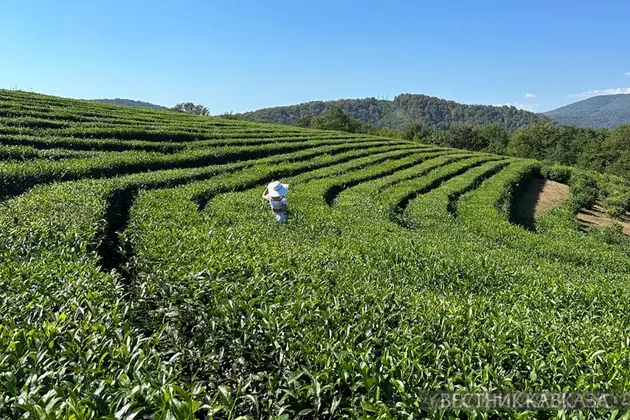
(276, 204)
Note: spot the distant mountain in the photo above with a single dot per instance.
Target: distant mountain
(405, 108)
(130, 102)
(598, 112)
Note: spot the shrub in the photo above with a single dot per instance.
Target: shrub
(584, 191)
(558, 173)
(617, 203)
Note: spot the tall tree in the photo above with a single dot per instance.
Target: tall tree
(335, 119)
(616, 151)
(190, 108)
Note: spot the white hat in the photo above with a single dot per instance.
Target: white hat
(276, 189)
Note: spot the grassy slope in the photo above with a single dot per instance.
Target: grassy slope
(157, 283)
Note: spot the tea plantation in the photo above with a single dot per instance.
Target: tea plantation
(141, 274)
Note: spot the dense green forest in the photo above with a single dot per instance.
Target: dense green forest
(607, 111)
(442, 114)
(602, 150)
(405, 109)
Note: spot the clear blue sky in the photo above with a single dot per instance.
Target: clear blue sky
(243, 55)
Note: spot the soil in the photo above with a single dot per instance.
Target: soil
(597, 216)
(540, 196)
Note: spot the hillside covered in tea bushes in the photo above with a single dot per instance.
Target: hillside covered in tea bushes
(142, 275)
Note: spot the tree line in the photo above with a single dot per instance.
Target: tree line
(404, 109)
(602, 150)
(442, 114)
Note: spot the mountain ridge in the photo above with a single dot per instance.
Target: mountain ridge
(605, 111)
(402, 110)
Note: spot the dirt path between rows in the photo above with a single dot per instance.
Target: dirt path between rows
(597, 216)
(542, 195)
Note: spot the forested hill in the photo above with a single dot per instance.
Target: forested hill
(130, 102)
(607, 111)
(405, 108)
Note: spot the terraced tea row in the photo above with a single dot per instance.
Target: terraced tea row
(143, 276)
(334, 256)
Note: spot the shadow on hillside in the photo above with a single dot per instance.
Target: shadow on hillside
(536, 198)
